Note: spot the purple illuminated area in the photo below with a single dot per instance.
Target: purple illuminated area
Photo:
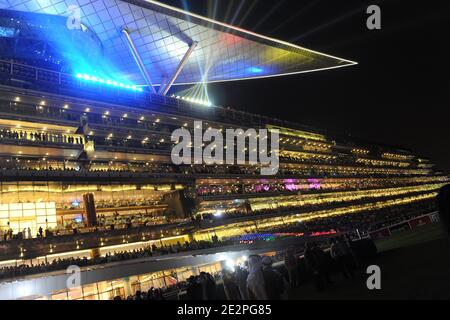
(291, 184)
(314, 184)
(262, 187)
(295, 185)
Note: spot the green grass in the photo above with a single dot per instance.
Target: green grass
(410, 238)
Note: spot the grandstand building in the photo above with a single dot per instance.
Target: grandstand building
(86, 116)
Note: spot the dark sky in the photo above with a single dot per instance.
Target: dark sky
(398, 94)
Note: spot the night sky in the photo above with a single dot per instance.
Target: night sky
(398, 94)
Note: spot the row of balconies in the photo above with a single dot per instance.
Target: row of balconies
(28, 77)
(70, 174)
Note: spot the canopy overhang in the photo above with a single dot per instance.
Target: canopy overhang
(162, 35)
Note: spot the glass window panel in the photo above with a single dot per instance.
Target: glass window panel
(40, 220)
(16, 214)
(41, 212)
(60, 296)
(50, 205)
(29, 213)
(28, 206)
(51, 219)
(40, 205)
(75, 293)
(90, 290)
(15, 206)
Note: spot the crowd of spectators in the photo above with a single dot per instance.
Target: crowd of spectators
(61, 264)
(152, 168)
(363, 222)
(300, 186)
(40, 136)
(241, 212)
(258, 279)
(317, 160)
(255, 280)
(356, 225)
(104, 223)
(155, 294)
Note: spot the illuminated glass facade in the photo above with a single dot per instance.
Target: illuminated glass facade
(86, 170)
(56, 205)
(28, 216)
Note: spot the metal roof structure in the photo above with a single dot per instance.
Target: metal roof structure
(163, 34)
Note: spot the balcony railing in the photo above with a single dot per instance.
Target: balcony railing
(62, 83)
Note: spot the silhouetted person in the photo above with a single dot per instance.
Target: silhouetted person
(290, 262)
(241, 275)
(276, 284)
(230, 286)
(341, 256)
(316, 260)
(208, 286)
(138, 295)
(255, 281)
(194, 289)
(444, 207)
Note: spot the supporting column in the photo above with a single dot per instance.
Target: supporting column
(89, 208)
(138, 60)
(163, 85)
(179, 68)
(127, 287)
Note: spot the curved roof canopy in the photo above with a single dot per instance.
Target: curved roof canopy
(162, 35)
